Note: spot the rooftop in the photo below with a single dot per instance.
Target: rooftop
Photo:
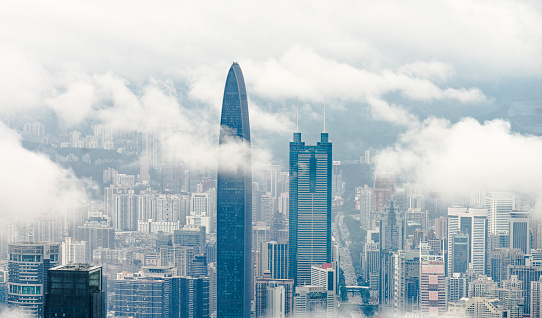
(84, 267)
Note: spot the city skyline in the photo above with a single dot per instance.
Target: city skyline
(130, 163)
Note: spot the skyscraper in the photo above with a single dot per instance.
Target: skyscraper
(75, 290)
(234, 201)
(467, 236)
(310, 207)
(499, 205)
(520, 231)
(27, 279)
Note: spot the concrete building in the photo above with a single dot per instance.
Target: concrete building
(271, 294)
(432, 285)
(499, 205)
(74, 251)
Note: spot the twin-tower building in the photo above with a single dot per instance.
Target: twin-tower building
(310, 204)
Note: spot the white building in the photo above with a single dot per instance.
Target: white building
(74, 251)
(499, 205)
(471, 222)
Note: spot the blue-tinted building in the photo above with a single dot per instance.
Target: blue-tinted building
(75, 290)
(310, 207)
(234, 201)
(27, 278)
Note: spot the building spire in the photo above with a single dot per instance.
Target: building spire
(324, 114)
(297, 113)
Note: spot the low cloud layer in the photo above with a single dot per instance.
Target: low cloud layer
(33, 184)
(455, 158)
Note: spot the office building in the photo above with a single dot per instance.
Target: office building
(364, 202)
(274, 257)
(310, 207)
(432, 285)
(312, 301)
(189, 297)
(526, 274)
(144, 297)
(97, 233)
(441, 227)
(27, 277)
(511, 294)
(457, 287)
(74, 251)
(500, 258)
(536, 297)
(469, 224)
(481, 307)
(499, 205)
(191, 236)
(483, 287)
(271, 292)
(234, 201)
(406, 280)
(383, 191)
(520, 231)
(75, 290)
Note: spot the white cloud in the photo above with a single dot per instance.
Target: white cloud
(452, 158)
(32, 183)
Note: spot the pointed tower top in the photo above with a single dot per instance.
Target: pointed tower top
(324, 115)
(297, 113)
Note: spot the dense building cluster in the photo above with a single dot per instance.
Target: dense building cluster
(321, 238)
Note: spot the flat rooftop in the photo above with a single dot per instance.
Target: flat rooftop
(77, 267)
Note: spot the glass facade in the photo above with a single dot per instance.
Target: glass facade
(234, 201)
(75, 290)
(310, 207)
(27, 277)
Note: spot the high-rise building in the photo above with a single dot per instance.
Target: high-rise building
(432, 285)
(234, 201)
(406, 281)
(27, 278)
(310, 207)
(511, 294)
(191, 236)
(74, 251)
(97, 233)
(383, 191)
(363, 203)
(500, 258)
(499, 205)
(267, 290)
(483, 287)
(441, 227)
(274, 257)
(75, 290)
(312, 301)
(189, 297)
(520, 231)
(526, 274)
(326, 275)
(536, 297)
(468, 224)
(456, 288)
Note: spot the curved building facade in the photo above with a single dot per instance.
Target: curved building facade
(234, 201)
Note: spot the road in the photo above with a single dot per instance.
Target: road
(342, 235)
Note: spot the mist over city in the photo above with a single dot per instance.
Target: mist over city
(271, 159)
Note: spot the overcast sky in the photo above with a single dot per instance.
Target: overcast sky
(142, 64)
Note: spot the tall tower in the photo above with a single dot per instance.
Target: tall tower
(27, 278)
(467, 239)
(234, 201)
(310, 207)
(75, 290)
